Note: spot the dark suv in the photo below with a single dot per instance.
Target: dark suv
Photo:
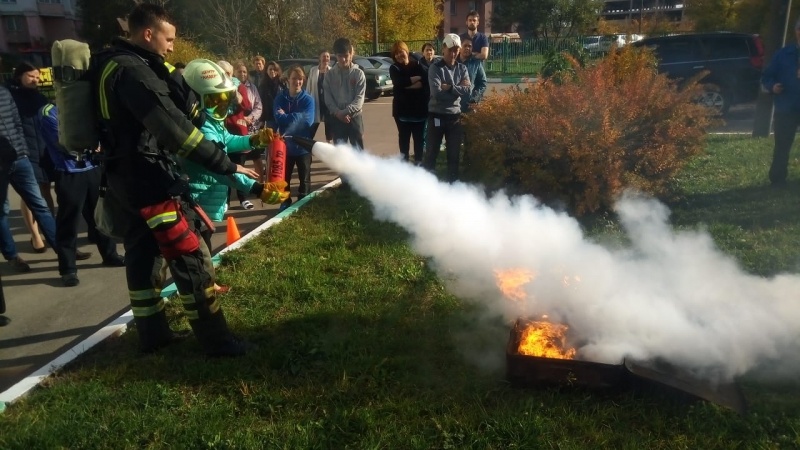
(734, 62)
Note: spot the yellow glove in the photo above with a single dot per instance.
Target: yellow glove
(265, 137)
(274, 193)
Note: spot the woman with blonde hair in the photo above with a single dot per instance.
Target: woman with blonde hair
(316, 76)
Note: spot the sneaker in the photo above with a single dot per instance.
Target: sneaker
(247, 204)
(20, 265)
(80, 256)
(115, 261)
(70, 279)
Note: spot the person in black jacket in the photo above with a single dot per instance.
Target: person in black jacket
(142, 129)
(24, 88)
(271, 85)
(410, 102)
(16, 170)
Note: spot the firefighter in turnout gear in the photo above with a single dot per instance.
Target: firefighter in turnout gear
(141, 129)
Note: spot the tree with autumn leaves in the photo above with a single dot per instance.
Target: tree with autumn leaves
(275, 28)
(748, 16)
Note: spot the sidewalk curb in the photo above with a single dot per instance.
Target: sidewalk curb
(120, 324)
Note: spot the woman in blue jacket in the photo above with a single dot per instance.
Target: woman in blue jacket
(294, 115)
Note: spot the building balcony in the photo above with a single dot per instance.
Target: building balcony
(51, 9)
(18, 37)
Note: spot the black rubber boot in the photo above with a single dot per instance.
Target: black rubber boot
(215, 337)
(154, 332)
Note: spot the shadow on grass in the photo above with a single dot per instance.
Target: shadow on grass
(345, 359)
(754, 207)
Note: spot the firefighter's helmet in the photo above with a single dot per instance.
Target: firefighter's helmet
(212, 85)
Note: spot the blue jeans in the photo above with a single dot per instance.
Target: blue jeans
(19, 174)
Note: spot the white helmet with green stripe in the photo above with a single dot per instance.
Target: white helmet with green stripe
(213, 86)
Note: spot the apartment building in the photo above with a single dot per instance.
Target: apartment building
(636, 10)
(29, 27)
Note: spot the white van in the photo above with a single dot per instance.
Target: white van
(623, 39)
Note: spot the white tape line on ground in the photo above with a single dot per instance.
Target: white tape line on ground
(279, 218)
(114, 328)
(120, 324)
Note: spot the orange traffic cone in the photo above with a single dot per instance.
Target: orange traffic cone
(233, 231)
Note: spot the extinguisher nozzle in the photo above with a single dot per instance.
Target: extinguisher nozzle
(306, 143)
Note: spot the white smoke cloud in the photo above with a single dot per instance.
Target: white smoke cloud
(670, 294)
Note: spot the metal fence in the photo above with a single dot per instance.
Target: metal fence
(519, 57)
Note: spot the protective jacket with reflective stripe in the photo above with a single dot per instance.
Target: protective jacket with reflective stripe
(141, 128)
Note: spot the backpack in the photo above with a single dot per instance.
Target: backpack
(77, 118)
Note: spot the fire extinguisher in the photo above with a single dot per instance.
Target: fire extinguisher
(277, 160)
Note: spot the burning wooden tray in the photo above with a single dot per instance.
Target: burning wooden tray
(558, 367)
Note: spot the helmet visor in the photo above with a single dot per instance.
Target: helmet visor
(217, 104)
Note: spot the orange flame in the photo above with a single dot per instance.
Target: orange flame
(510, 282)
(546, 340)
(540, 338)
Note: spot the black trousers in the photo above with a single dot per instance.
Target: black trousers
(238, 158)
(192, 273)
(303, 164)
(407, 130)
(77, 195)
(326, 118)
(450, 128)
(785, 128)
(352, 132)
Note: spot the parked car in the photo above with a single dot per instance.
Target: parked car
(416, 56)
(625, 39)
(601, 45)
(381, 62)
(598, 45)
(734, 62)
(378, 80)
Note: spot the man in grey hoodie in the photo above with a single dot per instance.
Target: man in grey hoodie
(449, 81)
(344, 87)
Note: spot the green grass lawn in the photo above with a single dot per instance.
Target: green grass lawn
(360, 346)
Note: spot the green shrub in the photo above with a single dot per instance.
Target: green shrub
(561, 64)
(580, 141)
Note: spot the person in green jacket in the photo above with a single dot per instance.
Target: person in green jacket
(210, 190)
